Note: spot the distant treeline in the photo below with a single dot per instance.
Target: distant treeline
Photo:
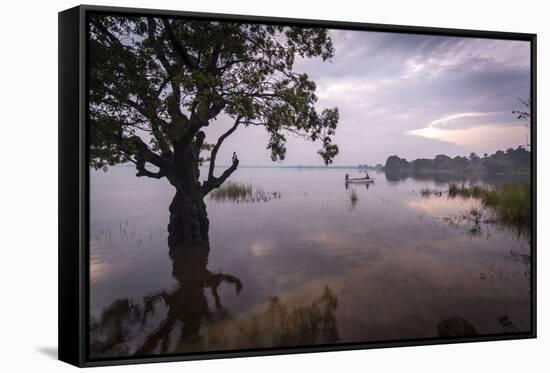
(511, 160)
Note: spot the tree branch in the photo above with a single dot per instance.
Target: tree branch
(215, 182)
(142, 171)
(163, 85)
(199, 141)
(163, 143)
(214, 152)
(180, 49)
(143, 154)
(173, 105)
(126, 101)
(161, 55)
(107, 33)
(148, 113)
(153, 119)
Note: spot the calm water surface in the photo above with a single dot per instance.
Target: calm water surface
(309, 267)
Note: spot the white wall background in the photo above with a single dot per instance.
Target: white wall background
(28, 188)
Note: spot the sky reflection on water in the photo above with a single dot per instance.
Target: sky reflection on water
(312, 269)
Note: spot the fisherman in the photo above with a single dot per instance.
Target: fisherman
(347, 177)
(368, 176)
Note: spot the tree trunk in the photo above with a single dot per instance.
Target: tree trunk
(188, 226)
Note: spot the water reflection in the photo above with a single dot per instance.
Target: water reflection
(443, 178)
(480, 221)
(284, 323)
(186, 310)
(508, 325)
(184, 320)
(455, 327)
(301, 269)
(352, 186)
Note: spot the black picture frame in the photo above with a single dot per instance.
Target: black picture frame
(74, 185)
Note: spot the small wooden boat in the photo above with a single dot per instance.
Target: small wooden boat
(360, 180)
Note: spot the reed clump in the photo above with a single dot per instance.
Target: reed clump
(466, 191)
(242, 193)
(232, 190)
(510, 202)
(427, 192)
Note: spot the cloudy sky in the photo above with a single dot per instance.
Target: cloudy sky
(410, 95)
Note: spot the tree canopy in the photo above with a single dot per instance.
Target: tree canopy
(511, 160)
(154, 83)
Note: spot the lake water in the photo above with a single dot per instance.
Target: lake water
(310, 267)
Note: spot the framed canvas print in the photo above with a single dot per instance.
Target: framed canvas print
(238, 186)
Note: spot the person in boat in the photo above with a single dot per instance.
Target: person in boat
(367, 176)
(347, 177)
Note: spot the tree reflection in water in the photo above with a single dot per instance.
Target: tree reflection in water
(118, 330)
(182, 320)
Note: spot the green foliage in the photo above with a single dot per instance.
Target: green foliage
(394, 163)
(510, 202)
(466, 191)
(442, 161)
(154, 83)
(517, 159)
(512, 160)
(205, 147)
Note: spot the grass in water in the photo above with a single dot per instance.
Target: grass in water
(466, 191)
(353, 199)
(510, 202)
(232, 190)
(242, 193)
(427, 192)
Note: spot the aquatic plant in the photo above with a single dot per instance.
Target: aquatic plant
(511, 203)
(353, 196)
(427, 192)
(241, 193)
(453, 190)
(232, 190)
(353, 199)
(465, 191)
(474, 221)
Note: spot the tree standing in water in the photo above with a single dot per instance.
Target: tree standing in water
(156, 83)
